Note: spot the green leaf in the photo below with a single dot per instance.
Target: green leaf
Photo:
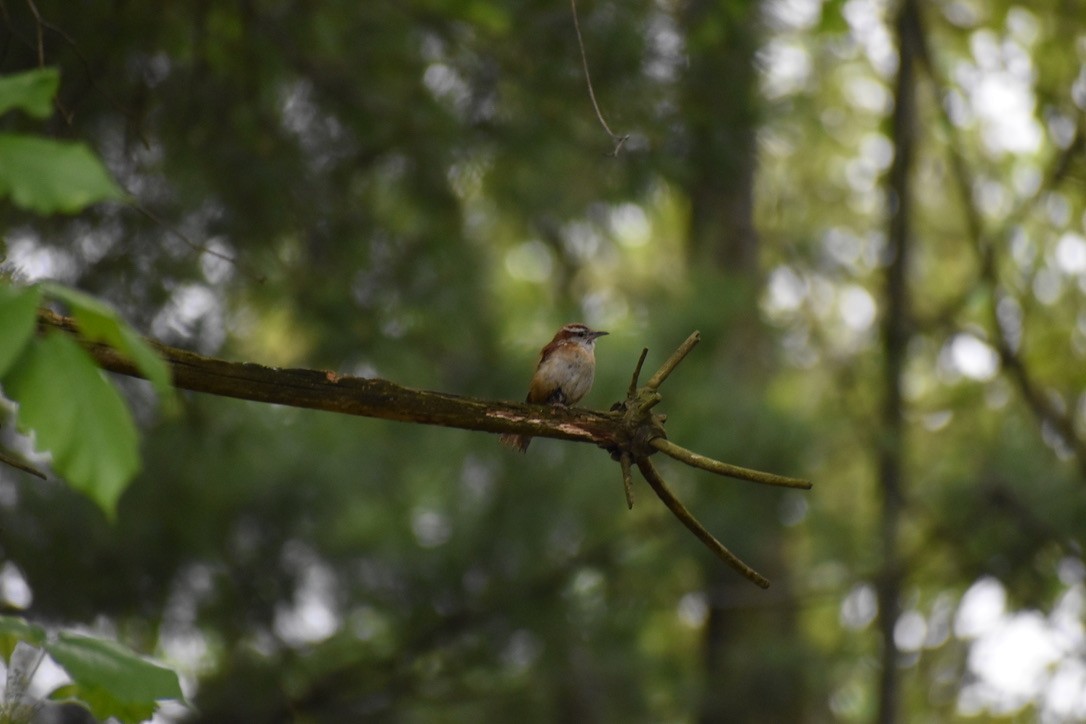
(14, 629)
(18, 317)
(52, 176)
(104, 705)
(32, 91)
(77, 415)
(99, 323)
(100, 664)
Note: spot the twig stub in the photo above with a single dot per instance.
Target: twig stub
(632, 390)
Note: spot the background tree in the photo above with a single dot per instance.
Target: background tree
(422, 192)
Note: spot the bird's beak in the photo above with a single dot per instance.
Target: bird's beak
(598, 334)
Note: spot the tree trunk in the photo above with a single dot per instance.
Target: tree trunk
(895, 339)
(752, 672)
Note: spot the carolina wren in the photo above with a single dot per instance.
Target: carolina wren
(564, 374)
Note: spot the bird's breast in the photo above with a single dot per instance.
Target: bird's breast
(569, 371)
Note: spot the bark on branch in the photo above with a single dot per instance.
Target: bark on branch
(630, 431)
(365, 397)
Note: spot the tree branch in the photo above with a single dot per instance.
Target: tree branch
(627, 478)
(675, 506)
(365, 397)
(673, 361)
(630, 431)
(643, 435)
(731, 471)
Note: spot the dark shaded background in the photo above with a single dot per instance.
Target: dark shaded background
(887, 269)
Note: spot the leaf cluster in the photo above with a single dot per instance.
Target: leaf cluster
(107, 678)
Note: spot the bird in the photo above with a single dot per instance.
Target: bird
(564, 374)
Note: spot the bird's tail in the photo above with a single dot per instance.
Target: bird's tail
(517, 442)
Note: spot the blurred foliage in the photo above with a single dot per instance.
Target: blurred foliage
(40, 174)
(105, 677)
(421, 191)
